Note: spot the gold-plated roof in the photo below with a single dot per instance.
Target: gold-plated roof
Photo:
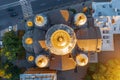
(41, 61)
(85, 9)
(31, 58)
(40, 20)
(28, 41)
(80, 19)
(81, 59)
(60, 39)
(29, 23)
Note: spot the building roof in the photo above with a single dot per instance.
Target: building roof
(64, 62)
(88, 33)
(106, 8)
(39, 70)
(39, 74)
(116, 4)
(89, 39)
(60, 17)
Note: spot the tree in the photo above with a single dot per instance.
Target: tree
(108, 71)
(90, 71)
(12, 45)
(3, 74)
(9, 71)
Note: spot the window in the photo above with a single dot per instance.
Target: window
(108, 41)
(105, 37)
(110, 5)
(106, 31)
(103, 6)
(114, 28)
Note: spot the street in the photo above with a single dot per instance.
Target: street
(3, 2)
(37, 6)
(41, 5)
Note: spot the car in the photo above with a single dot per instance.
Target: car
(13, 14)
(10, 9)
(10, 28)
(1, 44)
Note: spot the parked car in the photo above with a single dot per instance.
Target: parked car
(10, 9)
(1, 44)
(13, 14)
(10, 28)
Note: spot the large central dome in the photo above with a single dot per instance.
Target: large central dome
(60, 39)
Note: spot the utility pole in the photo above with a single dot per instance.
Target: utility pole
(26, 8)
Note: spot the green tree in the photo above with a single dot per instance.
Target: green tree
(9, 71)
(12, 45)
(90, 71)
(108, 71)
(4, 74)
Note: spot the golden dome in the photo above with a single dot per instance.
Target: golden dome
(60, 39)
(40, 20)
(80, 19)
(41, 61)
(28, 41)
(85, 9)
(30, 58)
(81, 59)
(29, 23)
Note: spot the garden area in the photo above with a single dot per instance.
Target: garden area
(11, 51)
(101, 71)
